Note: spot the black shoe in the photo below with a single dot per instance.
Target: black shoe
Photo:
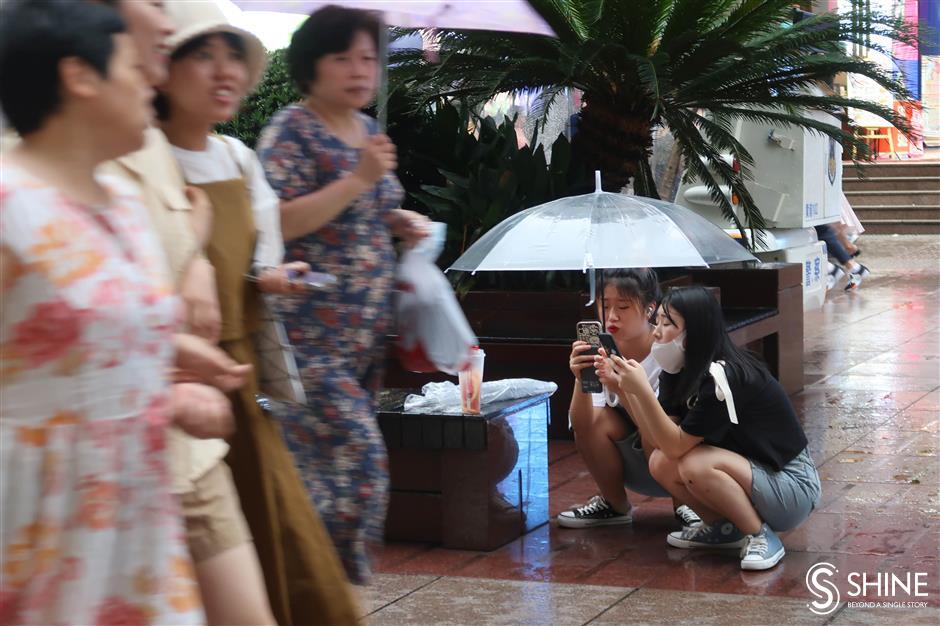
(597, 512)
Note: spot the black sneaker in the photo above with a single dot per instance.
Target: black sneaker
(597, 512)
(687, 517)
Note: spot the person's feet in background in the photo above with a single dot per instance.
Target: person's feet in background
(858, 273)
(855, 270)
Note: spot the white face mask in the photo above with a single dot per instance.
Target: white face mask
(670, 355)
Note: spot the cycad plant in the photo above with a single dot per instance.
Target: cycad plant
(695, 66)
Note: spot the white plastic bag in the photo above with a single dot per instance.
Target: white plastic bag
(445, 397)
(433, 333)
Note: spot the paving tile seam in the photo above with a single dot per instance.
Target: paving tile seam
(625, 596)
(835, 614)
(402, 597)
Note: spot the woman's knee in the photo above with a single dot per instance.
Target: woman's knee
(662, 468)
(694, 466)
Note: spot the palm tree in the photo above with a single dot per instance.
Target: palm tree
(695, 66)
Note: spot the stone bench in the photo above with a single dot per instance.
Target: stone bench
(472, 482)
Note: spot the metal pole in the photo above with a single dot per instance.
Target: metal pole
(382, 103)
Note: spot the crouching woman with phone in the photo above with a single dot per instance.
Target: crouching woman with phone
(728, 441)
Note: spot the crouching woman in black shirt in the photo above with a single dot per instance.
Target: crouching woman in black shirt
(738, 453)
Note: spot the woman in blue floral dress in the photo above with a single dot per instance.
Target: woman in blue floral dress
(334, 174)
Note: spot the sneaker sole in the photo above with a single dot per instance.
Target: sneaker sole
(574, 522)
(685, 544)
(764, 564)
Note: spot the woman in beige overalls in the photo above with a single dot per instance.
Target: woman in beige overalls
(213, 65)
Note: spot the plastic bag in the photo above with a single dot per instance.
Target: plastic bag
(433, 333)
(445, 397)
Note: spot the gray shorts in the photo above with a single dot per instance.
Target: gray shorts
(785, 499)
(636, 469)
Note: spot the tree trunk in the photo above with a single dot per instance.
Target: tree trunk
(613, 139)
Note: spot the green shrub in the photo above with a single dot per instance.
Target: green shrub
(273, 93)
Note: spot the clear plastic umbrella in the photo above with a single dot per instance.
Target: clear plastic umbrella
(601, 230)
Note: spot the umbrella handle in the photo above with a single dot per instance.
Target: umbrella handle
(592, 282)
(382, 103)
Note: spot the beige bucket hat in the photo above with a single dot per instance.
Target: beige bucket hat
(193, 18)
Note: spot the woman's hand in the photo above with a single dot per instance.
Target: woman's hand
(631, 376)
(201, 411)
(199, 361)
(377, 157)
(279, 279)
(579, 359)
(202, 304)
(409, 226)
(605, 371)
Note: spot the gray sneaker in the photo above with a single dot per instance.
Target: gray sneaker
(721, 535)
(762, 551)
(597, 512)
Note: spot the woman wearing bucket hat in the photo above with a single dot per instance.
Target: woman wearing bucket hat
(213, 65)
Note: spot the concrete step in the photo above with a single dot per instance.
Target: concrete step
(895, 198)
(882, 212)
(892, 183)
(901, 227)
(893, 168)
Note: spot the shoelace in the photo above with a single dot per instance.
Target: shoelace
(757, 545)
(687, 516)
(695, 531)
(593, 506)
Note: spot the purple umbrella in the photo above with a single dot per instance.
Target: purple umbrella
(515, 16)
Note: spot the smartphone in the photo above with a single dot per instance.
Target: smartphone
(313, 280)
(589, 332)
(609, 345)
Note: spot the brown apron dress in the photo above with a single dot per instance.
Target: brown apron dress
(305, 581)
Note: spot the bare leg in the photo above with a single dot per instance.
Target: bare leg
(648, 452)
(232, 589)
(721, 480)
(596, 443)
(843, 236)
(666, 473)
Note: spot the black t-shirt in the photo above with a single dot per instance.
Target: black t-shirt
(767, 431)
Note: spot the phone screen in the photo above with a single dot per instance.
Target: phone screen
(609, 345)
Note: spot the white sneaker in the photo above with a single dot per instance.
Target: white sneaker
(856, 277)
(835, 273)
(597, 512)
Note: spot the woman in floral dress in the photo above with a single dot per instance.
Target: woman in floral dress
(89, 531)
(339, 196)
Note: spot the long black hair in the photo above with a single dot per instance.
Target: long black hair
(706, 340)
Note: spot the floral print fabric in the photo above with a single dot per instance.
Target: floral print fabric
(338, 335)
(90, 533)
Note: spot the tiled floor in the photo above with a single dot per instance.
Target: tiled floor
(871, 409)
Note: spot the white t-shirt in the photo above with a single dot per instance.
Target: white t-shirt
(217, 163)
(652, 374)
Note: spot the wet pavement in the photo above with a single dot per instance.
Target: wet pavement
(871, 410)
